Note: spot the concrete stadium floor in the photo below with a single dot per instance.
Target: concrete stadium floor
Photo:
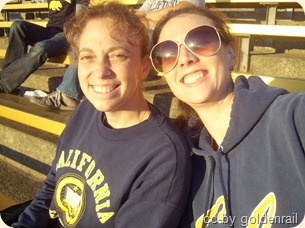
(16, 184)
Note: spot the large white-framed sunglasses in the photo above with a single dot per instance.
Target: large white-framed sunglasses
(203, 40)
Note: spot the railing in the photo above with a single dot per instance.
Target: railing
(271, 6)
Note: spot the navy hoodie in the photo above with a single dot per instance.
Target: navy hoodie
(257, 176)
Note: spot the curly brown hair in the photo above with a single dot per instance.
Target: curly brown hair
(127, 22)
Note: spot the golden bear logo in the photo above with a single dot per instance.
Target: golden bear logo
(55, 5)
(70, 199)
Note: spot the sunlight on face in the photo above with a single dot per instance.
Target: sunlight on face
(110, 70)
(197, 79)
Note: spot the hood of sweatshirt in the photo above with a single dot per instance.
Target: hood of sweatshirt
(252, 97)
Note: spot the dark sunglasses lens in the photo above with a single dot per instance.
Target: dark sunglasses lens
(203, 40)
(164, 56)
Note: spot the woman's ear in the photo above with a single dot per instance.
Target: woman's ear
(232, 56)
(146, 67)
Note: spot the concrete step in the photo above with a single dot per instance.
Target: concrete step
(284, 65)
(16, 184)
(46, 78)
(25, 158)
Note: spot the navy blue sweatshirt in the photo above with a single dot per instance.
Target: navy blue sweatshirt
(101, 177)
(257, 176)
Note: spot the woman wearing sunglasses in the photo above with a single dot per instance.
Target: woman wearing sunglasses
(249, 162)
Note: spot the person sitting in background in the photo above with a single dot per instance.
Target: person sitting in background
(119, 162)
(249, 162)
(68, 94)
(47, 42)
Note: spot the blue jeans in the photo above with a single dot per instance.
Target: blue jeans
(70, 84)
(19, 64)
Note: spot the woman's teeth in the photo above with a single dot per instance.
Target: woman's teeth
(191, 78)
(104, 89)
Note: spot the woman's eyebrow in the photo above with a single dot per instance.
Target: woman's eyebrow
(86, 49)
(111, 49)
(115, 48)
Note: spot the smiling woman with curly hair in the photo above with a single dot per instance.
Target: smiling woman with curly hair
(119, 162)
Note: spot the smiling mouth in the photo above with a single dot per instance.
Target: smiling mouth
(105, 89)
(192, 78)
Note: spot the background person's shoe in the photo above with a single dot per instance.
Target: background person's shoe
(1, 89)
(56, 101)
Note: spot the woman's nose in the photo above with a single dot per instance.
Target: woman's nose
(101, 70)
(186, 57)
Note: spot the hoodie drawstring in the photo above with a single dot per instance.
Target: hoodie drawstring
(206, 206)
(223, 187)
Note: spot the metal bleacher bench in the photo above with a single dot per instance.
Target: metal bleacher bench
(271, 6)
(19, 109)
(246, 31)
(6, 201)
